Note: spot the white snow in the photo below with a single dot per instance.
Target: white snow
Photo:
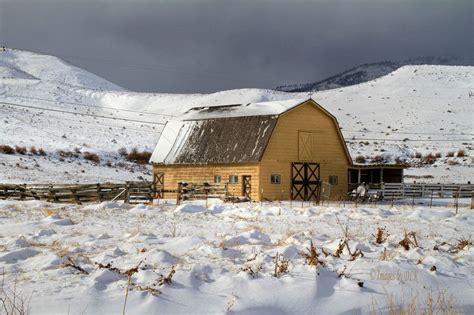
(224, 258)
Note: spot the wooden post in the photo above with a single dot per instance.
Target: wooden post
(431, 198)
(392, 201)
(178, 193)
(99, 192)
(457, 200)
(413, 201)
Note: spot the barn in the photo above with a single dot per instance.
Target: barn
(268, 150)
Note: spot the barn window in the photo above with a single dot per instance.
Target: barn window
(233, 179)
(217, 179)
(333, 180)
(275, 179)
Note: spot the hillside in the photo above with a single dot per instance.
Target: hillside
(50, 104)
(367, 72)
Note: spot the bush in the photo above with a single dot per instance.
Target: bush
(33, 150)
(360, 159)
(64, 153)
(91, 157)
(461, 153)
(6, 149)
(430, 158)
(41, 152)
(122, 152)
(139, 157)
(20, 150)
(417, 155)
(450, 154)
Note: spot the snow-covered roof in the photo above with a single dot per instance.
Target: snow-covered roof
(236, 133)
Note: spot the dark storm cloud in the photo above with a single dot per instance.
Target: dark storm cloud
(201, 46)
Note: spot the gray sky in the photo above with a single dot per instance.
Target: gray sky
(204, 46)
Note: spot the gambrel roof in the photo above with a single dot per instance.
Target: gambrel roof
(237, 133)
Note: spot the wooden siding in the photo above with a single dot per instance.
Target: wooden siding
(283, 148)
(205, 173)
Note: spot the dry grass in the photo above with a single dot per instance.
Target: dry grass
(41, 152)
(441, 304)
(311, 256)
(11, 301)
(380, 236)
(461, 153)
(409, 239)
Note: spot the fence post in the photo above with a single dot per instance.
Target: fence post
(99, 192)
(457, 200)
(431, 199)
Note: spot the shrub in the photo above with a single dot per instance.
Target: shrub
(438, 155)
(91, 157)
(33, 150)
(20, 150)
(461, 153)
(64, 153)
(360, 159)
(6, 149)
(417, 155)
(122, 152)
(450, 154)
(41, 152)
(430, 158)
(139, 157)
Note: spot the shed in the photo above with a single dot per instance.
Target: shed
(268, 150)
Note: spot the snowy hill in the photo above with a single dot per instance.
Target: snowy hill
(49, 104)
(366, 72)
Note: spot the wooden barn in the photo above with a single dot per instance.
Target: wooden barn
(270, 150)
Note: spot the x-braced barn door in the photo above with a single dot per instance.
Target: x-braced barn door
(158, 183)
(305, 180)
(247, 186)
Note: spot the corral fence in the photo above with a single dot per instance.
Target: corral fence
(130, 192)
(201, 191)
(408, 190)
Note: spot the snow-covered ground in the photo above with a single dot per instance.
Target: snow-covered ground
(416, 109)
(224, 258)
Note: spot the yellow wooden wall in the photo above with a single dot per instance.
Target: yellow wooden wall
(327, 149)
(205, 173)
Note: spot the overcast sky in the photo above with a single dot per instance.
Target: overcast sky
(204, 46)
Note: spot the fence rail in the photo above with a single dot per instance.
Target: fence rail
(130, 192)
(407, 190)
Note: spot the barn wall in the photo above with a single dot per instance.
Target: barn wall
(325, 148)
(205, 173)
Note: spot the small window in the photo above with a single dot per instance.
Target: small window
(217, 179)
(333, 180)
(233, 179)
(275, 179)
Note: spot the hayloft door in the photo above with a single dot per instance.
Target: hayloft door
(158, 183)
(246, 186)
(305, 180)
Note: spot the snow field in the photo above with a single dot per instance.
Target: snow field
(224, 257)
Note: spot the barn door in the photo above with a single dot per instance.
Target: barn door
(305, 181)
(158, 183)
(246, 186)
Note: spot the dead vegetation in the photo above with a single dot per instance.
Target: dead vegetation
(311, 256)
(380, 235)
(281, 265)
(441, 304)
(92, 157)
(6, 149)
(167, 280)
(409, 240)
(11, 301)
(139, 157)
(20, 150)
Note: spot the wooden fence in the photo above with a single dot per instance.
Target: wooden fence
(406, 190)
(130, 192)
(201, 191)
